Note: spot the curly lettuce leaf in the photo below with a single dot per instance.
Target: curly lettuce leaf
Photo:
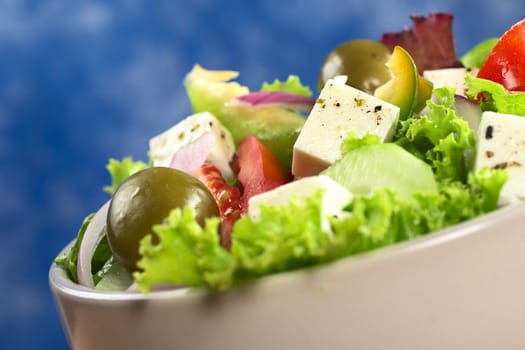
(352, 141)
(121, 170)
(440, 138)
(494, 97)
(384, 218)
(293, 85)
(284, 238)
(186, 254)
(289, 237)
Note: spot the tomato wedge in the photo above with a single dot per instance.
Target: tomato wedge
(257, 169)
(505, 64)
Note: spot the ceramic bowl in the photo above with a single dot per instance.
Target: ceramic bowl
(459, 288)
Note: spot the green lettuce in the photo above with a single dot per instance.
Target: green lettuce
(494, 97)
(293, 85)
(121, 170)
(352, 141)
(99, 263)
(291, 236)
(68, 261)
(441, 138)
(186, 254)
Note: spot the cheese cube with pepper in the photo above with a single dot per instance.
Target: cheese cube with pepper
(339, 109)
(334, 197)
(501, 145)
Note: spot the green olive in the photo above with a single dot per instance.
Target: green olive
(362, 61)
(145, 199)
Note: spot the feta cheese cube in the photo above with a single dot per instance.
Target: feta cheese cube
(221, 146)
(452, 77)
(335, 196)
(339, 109)
(501, 144)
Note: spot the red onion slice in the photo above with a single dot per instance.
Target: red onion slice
(92, 237)
(205, 148)
(190, 157)
(282, 99)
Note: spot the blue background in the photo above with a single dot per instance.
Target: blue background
(82, 81)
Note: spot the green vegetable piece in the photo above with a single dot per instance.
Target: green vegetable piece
(352, 142)
(283, 238)
(68, 261)
(376, 166)
(293, 85)
(114, 278)
(289, 237)
(121, 170)
(494, 97)
(441, 138)
(184, 254)
(476, 56)
(277, 128)
(402, 89)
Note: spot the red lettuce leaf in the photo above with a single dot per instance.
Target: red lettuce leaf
(430, 42)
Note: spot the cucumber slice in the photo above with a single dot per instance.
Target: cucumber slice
(386, 165)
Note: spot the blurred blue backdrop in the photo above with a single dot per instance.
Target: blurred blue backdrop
(82, 81)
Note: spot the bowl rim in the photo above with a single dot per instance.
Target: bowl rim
(61, 284)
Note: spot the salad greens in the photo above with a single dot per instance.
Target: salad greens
(182, 252)
(494, 97)
(100, 263)
(293, 84)
(291, 236)
(441, 138)
(121, 170)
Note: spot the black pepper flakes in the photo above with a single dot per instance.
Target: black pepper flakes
(506, 165)
(337, 104)
(195, 128)
(359, 101)
(378, 108)
(488, 132)
(489, 154)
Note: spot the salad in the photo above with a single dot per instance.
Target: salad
(403, 139)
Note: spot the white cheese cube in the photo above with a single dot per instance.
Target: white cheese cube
(339, 109)
(335, 196)
(221, 150)
(451, 77)
(501, 144)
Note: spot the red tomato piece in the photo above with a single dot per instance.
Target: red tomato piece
(506, 62)
(227, 198)
(257, 169)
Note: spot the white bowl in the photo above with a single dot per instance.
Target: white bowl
(459, 288)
